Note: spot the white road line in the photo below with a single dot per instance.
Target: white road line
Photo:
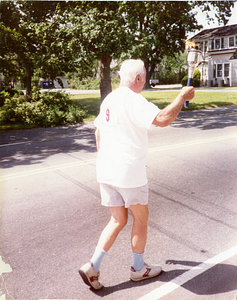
(14, 144)
(192, 143)
(4, 268)
(47, 169)
(92, 161)
(185, 277)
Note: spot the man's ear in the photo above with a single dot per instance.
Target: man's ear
(138, 78)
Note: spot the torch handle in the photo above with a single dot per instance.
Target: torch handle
(190, 83)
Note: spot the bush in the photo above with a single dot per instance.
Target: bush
(84, 84)
(3, 96)
(7, 93)
(52, 109)
(196, 79)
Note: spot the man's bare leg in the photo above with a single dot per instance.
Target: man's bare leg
(139, 269)
(119, 217)
(140, 215)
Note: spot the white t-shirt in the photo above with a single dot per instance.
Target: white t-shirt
(124, 120)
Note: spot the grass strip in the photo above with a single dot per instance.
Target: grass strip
(202, 100)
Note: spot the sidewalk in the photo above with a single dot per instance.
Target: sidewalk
(62, 132)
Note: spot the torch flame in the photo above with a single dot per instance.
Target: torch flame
(190, 44)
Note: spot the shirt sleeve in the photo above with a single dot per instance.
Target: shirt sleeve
(144, 112)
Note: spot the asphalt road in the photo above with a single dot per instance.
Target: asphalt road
(51, 215)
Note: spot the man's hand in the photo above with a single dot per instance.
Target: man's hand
(188, 93)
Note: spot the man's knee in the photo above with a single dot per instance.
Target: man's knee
(119, 217)
(140, 214)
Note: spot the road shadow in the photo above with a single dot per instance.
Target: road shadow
(35, 145)
(221, 278)
(216, 118)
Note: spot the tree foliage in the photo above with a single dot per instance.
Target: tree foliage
(159, 28)
(172, 68)
(100, 31)
(51, 37)
(221, 9)
(34, 38)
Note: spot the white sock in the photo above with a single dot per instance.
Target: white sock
(138, 261)
(97, 258)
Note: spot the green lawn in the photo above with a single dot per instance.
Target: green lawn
(203, 99)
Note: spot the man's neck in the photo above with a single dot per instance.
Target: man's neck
(130, 86)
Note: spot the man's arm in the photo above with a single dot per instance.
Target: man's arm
(170, 112)
(97, 138)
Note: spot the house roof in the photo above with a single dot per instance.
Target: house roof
(216, 32)
(234, 56)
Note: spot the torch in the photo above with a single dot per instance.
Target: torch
(192, 59)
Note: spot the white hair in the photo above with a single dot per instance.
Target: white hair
(130, 69)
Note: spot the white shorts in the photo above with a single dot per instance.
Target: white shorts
(116, 196)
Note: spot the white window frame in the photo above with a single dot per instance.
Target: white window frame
(225, 70)
(220, 70)
(231, 37)
(217, 43)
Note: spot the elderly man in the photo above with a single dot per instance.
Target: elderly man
(122, 142)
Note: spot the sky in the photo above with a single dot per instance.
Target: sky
(202, 20)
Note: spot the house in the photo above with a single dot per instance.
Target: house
(219, 47)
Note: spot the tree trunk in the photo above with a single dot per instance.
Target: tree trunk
(28, 80)
(104, 73)
(149, 72)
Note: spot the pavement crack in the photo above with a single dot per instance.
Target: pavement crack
(194, 210)
(69, 178)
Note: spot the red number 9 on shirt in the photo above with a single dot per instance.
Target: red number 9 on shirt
(107, 115)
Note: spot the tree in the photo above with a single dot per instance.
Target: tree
(57, 36)
(100, 30)
(148, 30)
(33, 37)
(160, 27)
(222, 9)
(173, 68)
(18, 37)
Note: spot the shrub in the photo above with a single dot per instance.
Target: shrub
(52, 109)
(3, 96)
(84, 84)
(196, 79)
(7, 93)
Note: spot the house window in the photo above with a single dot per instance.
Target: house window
(219, 70)
(236, 41)
(222, 43)
(226, 70)
(205, 45)
(201, 46)
(217, 43)
(231, 41)
(214, 71)
(212, 44)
